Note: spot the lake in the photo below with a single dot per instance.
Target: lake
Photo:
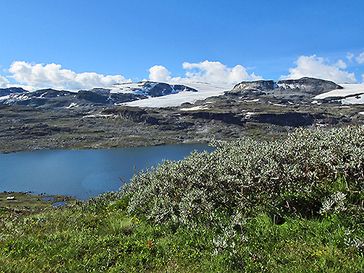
(83, 173)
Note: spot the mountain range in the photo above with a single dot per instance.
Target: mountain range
(153, 113)
(158, 94)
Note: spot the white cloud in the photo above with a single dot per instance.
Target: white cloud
(360, 58)
(206, 71)
(317, 67)
(159, 73)
(341, 64)
(217, 72)
(54, 76)
(3, 82)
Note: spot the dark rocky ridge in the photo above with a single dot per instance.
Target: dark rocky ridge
(309, 85)
(272, 115)
(11, 90)
(298, 91)
(306, 85)
(261, 85)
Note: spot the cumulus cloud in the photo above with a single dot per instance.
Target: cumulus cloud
(360, 58)
(217, 72)
(206, 71)
(159, 73)
(3, 82)
(54, 76)
(317, 67)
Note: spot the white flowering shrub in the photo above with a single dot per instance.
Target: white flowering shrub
(293, 175)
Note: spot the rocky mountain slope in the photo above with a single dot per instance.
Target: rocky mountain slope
(302, 90)
(99, 118)
(50, 98)
(305, 85)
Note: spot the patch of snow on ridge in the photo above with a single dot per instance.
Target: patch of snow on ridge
(4, 97)
(248, 115)
(359, 99)
(72, 105)
(205, 90)
(349, 90)
(351, 94)
(194, 108)
(291, 85)
(127, 87)
(9, 99)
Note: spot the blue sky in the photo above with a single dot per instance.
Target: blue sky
(127, 38)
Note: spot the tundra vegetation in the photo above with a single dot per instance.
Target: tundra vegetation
(288, 205)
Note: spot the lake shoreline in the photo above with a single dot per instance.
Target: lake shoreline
(5, 150)
(85, 173)
(29, 201)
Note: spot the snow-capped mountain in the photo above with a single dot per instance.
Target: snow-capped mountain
(299, 91)
(292, 91)
(158, 94)
(151, 89)
(115, 95)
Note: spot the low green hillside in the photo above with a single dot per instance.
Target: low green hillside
(289, 205)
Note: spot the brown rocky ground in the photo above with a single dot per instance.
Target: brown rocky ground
(223, 118)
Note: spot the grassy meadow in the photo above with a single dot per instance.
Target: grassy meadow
(288, 205)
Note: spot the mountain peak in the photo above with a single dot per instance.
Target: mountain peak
(305, 85)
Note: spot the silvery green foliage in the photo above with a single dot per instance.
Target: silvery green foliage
(240, 177)
(225, 242)
(229, 234)
(355, 242)
(335, 203)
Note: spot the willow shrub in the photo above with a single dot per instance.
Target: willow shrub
(295, 175)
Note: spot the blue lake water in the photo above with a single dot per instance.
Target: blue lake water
(83, 173)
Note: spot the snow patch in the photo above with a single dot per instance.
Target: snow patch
(205, 90)
(349, 90)
(359, 99)
(4, 97)
(291, 85)
(254, 100)
(72, 105)
(200, 107)
(351, 94)
(248, 115)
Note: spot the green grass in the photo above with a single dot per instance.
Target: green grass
(77, 239)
